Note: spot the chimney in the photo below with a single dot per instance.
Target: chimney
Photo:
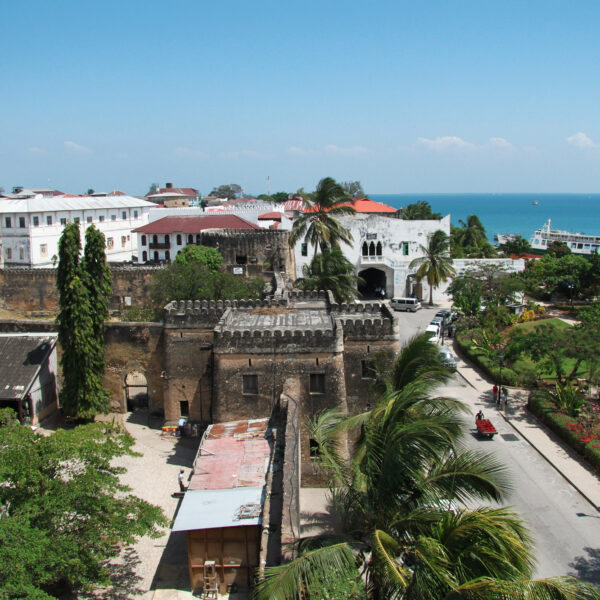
(169, 186)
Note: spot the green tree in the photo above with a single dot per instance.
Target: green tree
(64, 510)
(353, 188)
(330, 270)
(420, 211)
(233, 190)
(211, 258)
(279, 197)
(80, 323)
(516, 247)
(558, 249)
(317, 224)
(470, 240)
(467, 293)
(436, 265)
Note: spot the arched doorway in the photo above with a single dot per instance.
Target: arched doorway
(374, 283)
(136, 390)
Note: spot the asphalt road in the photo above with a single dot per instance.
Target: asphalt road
(566, 528)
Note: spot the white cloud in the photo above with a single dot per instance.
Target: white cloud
(184, 152)
(499, 142)
(581, 140)
(243, 154)
(296, 151)
(446, 142)
(334, 150)
(35, 151)
(76, 148)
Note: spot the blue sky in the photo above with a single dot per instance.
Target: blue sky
(415, 97)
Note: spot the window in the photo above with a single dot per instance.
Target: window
(167, 255)
(190, 239)
(365, 249)
(124, 215)
(9, 253)
(241, 259)
(7, 222)
(36, 221)
(184, 408)
(21, 254)
(313, 447)
(368, 370)
(249, 384)
(317, 383)
(110, 242)
(304, 249)
(156, 256)
(405, 248)
(22, 222)
(135, 214)
(43, 249)
(155, 239)
(144, 256)
(89, 219)
(198, 239)
(101, 218)
(179, 239)
(123, 241)
(143, 240)
(378, 249)
(49, 220)
(76, 220)
(371, 249)
(63, 221)
(167, 239)
(113, 217)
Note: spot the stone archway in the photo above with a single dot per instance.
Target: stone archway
(374, 280)
(136, 390)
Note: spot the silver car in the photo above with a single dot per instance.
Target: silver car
(448, 359)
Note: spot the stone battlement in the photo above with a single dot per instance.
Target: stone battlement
(369, 328)
(273, 339)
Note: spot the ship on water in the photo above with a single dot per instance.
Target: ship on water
(578, 243)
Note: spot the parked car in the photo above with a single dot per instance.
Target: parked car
(407, 304)
(446, 315)
(448, 359)
(439, 321)
(434, 332)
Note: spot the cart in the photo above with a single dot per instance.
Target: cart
(485, 429)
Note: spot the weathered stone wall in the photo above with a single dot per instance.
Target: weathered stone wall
(34, 290)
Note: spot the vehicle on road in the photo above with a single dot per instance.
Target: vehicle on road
(433, 331)
(448, 359)
(446, 315)
(411, 304)
(485, 429)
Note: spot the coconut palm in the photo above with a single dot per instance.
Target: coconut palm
(317, 224)
(330, 270)
(393, 498)
(436, 265)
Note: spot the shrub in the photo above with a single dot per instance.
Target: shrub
(141, 313)
(587, 446)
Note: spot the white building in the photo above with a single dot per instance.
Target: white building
(31, 227)
(382, 251)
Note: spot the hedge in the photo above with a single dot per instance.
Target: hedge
(547, 413)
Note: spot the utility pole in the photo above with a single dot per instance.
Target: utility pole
(268, 185)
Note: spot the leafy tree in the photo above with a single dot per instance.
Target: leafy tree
(64, 510)
(558, 249)
(467, 293)
(353, 189)
(211, 258)
(279, 197)
(470, 240)
(330, 270)
(420, 211)
(193, 281)
(80, 322)
(436, 265)
(233, 190)
(317, 225)
(552, 274)
(516, 247)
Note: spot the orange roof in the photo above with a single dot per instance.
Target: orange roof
(364, 205)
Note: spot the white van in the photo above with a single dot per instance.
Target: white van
(411, 304)
(434, 332)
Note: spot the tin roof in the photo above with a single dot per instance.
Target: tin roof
(232, 455)
(209, 509)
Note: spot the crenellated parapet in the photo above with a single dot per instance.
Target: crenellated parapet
(368, 328)
(307, 295)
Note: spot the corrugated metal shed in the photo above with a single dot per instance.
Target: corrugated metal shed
(210, 509)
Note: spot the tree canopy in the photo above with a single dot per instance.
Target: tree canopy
(229, 191)
(420, 210)
(64, 512)
(210, 258)
(469, 240)
(353, 189)
(516, 247)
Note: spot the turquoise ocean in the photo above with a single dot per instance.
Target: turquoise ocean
(512, 213)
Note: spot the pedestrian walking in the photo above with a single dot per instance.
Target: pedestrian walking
(495, 393)
(181, 480)
(504, 396)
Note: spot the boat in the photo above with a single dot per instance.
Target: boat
(578, 243)
(535, 202)
(503, 238)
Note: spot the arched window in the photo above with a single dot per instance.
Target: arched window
(167, 239)
(144, 256)
(155, 239)
(143, 240)
(167, 255)
(371, 249)
(378, 248)
(179, 239)
(190, 239)
(365, 249)
(156, 256)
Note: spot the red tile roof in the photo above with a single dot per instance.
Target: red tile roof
(195, 224)
(364, 205)
(270, 216)
(185, 191)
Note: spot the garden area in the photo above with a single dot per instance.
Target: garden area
(557, 360)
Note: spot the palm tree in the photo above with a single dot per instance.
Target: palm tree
(330, 270)
(317, 224)
(420, 210)
(436, 265)
(393, 498)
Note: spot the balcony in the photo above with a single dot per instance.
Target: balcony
(160, 245)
